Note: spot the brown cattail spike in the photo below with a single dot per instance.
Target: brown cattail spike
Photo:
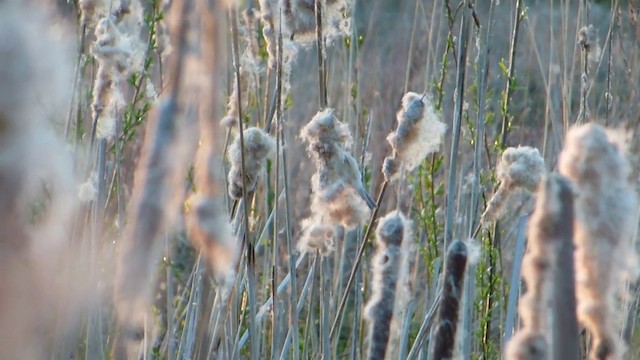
(449, 308)
(389, 267)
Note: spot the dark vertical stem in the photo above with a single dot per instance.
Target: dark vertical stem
(565, 330)
(253, 336)
(322, 76)
(457, 124)
(512, 68)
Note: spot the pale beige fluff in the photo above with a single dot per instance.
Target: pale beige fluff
(119, 52)
(208, 224)
(605, 214)
(389, 294)
(338, 195)
(35, 168)
(519, 168)
(419, 132)
(336, 184)
(258, 146)
(316, 237)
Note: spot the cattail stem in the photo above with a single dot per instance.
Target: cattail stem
(457, 125)
(322, 76)
(356, 264)
(506, 98)
(448, 312)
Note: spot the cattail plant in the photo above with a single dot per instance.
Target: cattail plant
(519, 168)
(338, 194)
(548, 305)
(152, 211)
(35, 166)
(446, 322)
(605, 214)
(389, 267)
(419, 133)
(258, 146)
(118, 52)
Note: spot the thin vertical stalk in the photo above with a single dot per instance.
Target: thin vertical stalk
(253, 335)
(322, 70)
(457, 124)
(506, 98)
(356, 264)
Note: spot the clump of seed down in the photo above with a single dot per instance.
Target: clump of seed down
(419, 133)
(258, 146)
(519, 168)
(338, 194)
(605, 212)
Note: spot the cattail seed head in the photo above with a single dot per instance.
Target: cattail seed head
(519, 168)
(586, 37)
(448, 311)
(258, 146)
(419, 132)
(339, 196)
(605, 214)
(390, 268)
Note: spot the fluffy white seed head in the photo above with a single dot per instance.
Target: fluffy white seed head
(519, 168)
(605, 214)
(316, 237)
(258, 146)
(419, 132)
(338, 196)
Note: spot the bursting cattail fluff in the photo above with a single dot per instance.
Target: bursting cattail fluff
(418, 133)
(550, 229)
(389, 291)
(119, 52)
(605, 215)
(446, 322)
(258, 146)
(338, 194)
(519, 168)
